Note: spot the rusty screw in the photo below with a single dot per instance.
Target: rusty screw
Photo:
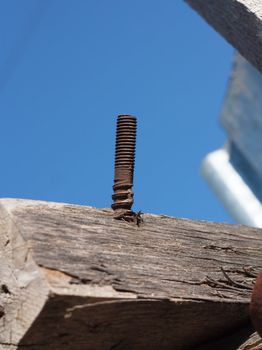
(124, 166)
(255, 308)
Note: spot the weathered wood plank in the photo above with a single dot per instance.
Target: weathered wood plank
(239, 21)
(176, 252)
(86, 279)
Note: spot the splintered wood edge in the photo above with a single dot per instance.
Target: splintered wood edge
(60, 283)
(23, 290)
(254, 342)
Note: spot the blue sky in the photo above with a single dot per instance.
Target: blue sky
(68, 68)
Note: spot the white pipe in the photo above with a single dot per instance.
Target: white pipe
(231, 189)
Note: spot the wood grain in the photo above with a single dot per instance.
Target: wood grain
(239, 21)
(83, 278)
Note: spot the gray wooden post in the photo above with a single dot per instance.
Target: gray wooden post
(239, 21)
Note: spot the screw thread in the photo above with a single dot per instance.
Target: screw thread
(124, 163)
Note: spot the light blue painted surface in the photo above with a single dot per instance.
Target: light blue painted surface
(235, 172)
(242, 112)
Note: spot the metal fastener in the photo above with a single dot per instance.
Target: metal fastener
(123, 196)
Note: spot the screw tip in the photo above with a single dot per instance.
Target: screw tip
(126, 116)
